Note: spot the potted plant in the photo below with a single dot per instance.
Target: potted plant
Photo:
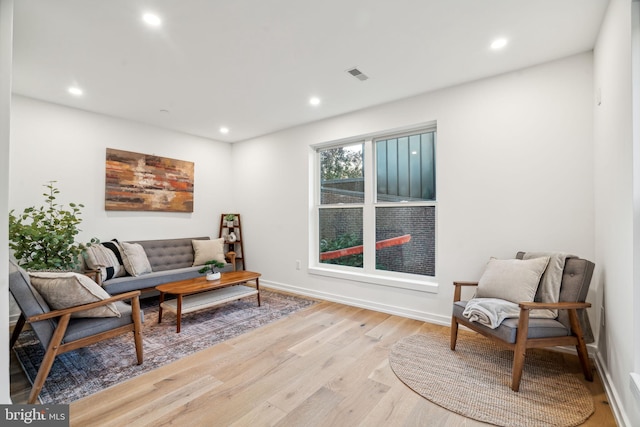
(44, 238)
(210, 269)
(230, 218)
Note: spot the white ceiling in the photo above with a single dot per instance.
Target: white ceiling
(252, 65)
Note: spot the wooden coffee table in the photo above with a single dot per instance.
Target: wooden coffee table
(200, 293)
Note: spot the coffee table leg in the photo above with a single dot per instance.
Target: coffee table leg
(179, 314)
(258, 289)
(160, 308)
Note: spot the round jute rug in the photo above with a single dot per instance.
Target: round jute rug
(475, 381)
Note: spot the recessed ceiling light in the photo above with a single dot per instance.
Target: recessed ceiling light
(498, 44)
(224, 130)
(73, 90)
(152, 19)
(314, 100)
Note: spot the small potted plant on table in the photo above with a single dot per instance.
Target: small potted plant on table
(229, 219)
(210, 269)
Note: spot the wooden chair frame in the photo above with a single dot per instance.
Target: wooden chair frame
(522, 342)
(63, 317)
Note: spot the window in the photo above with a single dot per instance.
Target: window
(376, 206)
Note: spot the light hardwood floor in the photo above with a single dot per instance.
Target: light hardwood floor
(326, 366)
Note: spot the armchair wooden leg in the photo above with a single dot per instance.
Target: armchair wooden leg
(17, 329)
(520, 350)
(137, 329)
(49, 357)
(454, 332)
(581, 347)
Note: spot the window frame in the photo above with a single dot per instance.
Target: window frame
(368, 273)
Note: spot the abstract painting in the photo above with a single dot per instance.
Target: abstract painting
(145, 182)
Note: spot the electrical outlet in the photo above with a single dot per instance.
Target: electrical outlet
(297, 264)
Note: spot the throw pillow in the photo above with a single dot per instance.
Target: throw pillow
(99, 257)
(114, 246)
(68, 289)
(550, 283)
(511, 279)
(207, 250)
(135, 259)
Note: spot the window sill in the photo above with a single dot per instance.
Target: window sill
(403, 283)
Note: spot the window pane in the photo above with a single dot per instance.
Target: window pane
(405, 239)
(381, 168)
(405, 168)
(342, 175)
(341, 236)
(427, 150)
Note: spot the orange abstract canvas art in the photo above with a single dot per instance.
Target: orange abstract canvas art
(145, 182)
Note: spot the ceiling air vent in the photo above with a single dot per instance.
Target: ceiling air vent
(358, 74)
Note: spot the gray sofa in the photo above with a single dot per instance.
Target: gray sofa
(170, 259)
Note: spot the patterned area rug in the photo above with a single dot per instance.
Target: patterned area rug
(85, 371)
(475, 381)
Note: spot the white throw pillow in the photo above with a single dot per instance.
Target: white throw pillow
(135, 259)
(511, 279)
(64, 290)
(207, 250)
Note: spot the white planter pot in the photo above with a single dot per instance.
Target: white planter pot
(213, 276)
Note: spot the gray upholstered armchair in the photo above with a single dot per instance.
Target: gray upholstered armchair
(59, 332)
(570, 327)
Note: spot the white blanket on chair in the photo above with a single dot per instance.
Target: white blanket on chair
(490, 311)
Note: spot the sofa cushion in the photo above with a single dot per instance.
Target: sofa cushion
(99, 257)
(69, 289)
(119, 285)
(511, 279)
(508, 329)
(88, 326)
(169, 254)
(135, 259)
(207, 250)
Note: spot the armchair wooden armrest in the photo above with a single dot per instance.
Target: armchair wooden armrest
(59, 313)
(463, 283)
(457, 293)
(94, 274)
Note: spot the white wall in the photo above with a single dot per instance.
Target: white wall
(515, 172)
(51, 142)
(6, 34)
(636, 182)
(613, 169)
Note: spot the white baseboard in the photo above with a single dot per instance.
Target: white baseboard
(618, 411)
(356, 302)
